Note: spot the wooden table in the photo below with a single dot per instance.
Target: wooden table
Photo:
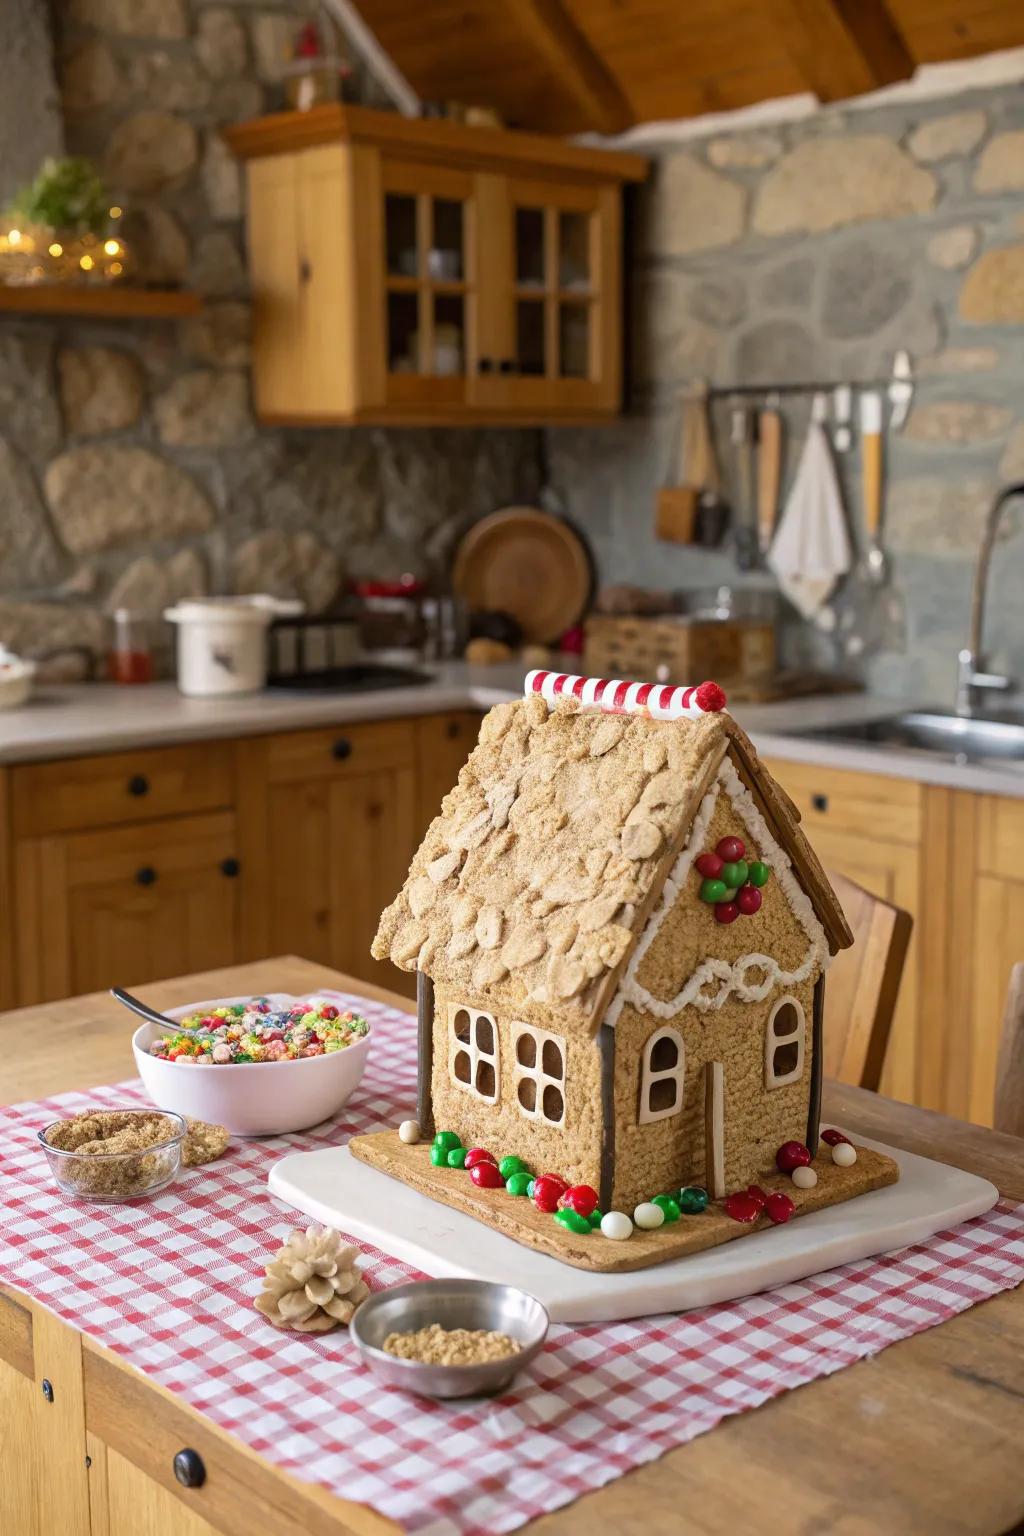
(925, 1437)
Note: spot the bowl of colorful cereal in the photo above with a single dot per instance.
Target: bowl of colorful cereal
(261, 1066)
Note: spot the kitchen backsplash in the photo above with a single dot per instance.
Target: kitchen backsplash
(814, 250)
(131, 468)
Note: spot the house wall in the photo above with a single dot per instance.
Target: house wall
(572, 1150)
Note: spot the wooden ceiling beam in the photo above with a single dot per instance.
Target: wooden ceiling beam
(580, 71)
(842, 48)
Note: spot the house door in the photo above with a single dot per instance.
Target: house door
(714, 1129)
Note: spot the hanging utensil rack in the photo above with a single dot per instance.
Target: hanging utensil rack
(901, 372)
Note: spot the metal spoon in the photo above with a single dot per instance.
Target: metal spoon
(151, 1016)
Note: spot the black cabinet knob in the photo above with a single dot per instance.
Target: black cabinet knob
(138, 784)
(506, 365)
(820, 802)
(341, 749)
(189, 1468)
(305, 271)
(146, 875)
(229, 867)
(485, 365)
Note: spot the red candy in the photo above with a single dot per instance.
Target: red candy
(757, 1193)
(710, 697)
(486, 1176)
(779, 1207)
(725, 911)
(748, 900)
(547, 1191)
(330, 1012)
(730, 849)
(477, 1155)
(581, 1198)
(743, 1206)
(792, 1154)
(832, 1138)
(710, 865)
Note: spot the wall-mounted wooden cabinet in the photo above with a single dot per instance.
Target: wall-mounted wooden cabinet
(419, 271)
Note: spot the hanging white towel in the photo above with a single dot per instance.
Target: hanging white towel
(811, 548)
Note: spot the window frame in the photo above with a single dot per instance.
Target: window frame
(772, 1042)
(651, 1075)
(473, 1050)
(536, 1074)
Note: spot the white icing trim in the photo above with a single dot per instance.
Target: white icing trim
(732, 978)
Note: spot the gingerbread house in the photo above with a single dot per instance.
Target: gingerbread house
(594, 995)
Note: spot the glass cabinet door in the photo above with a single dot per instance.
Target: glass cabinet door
(429, 285)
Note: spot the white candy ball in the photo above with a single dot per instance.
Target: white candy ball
(617, 1225)
(409, 1132)
(804, 1178)
(844, 1155)
(648, 1216)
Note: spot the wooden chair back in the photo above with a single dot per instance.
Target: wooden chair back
(863, 984)
(1009, 1107)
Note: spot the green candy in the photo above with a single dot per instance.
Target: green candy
(439, 1157)
(693, 1200)
(572, 1221)
(457, 1157)
(510, 1165)
(730, 892)
(529, 1189)
(712, 891)
(447, 1140)
(594, 1218)
(757, 873)
(735, 874)
(518, 1183)
(243, 1057)
(668, 1205)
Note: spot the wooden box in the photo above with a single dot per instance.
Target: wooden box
(674, 649)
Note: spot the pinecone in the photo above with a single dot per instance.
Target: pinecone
(312, 1284)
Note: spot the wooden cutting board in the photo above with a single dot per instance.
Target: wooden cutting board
(524, 562)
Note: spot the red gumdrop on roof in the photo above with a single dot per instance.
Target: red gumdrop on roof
(710, 698)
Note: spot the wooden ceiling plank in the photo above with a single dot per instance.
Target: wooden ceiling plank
(580, 71)
(842, 47)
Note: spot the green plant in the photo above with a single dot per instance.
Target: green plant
(66, 194)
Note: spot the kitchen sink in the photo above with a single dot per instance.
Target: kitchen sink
(1000, 738)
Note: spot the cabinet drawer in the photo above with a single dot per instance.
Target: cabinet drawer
(84, 792)
(344, 749)
(869, 804)
(1001, 837)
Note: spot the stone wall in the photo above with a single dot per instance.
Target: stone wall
(131, 468)
(814, 250)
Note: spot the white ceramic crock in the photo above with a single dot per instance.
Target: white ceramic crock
(222, 642)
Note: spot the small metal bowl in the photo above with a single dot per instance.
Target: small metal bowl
(453, 1304)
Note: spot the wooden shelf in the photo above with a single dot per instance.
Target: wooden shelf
(110, 303)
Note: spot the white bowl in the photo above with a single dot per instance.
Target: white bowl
(266, 1098)
(15, 681)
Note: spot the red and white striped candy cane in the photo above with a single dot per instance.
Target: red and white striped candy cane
(659, 701)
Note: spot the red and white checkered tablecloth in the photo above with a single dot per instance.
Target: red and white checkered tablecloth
(167, 1284)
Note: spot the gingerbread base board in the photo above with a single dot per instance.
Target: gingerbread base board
(518, 1219)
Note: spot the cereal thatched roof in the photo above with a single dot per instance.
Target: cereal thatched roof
(541, 869)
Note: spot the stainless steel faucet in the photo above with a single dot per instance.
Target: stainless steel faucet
(971, 677)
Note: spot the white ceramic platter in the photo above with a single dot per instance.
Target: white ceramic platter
(331, 1186)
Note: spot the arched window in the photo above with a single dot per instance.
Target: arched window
(539, 1073)
(784, 1043)
(473, 1053)
(661, 1083)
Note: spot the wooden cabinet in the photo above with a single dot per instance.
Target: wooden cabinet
(332, 826)
(443, 742)
(422, 271)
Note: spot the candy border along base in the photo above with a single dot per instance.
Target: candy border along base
(518, 1219)
(331, 1186)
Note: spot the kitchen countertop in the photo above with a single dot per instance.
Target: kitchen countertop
(76, 720)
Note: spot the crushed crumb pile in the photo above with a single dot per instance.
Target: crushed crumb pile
(118, 1152)
(435, 1345)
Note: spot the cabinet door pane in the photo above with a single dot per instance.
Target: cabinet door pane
(529, 237)
(574, 341)
(445, 257)
(449, 348)
(403, 333)
(573, 250)
(530, 349)
(400, 234)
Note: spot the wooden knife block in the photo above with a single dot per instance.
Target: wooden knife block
(675, 514)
